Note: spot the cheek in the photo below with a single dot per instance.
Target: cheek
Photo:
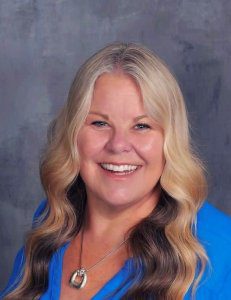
(89, 143)
(151, 148)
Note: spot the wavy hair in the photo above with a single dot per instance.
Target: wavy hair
(164, 244)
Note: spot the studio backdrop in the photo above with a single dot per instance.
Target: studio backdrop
(42, 43)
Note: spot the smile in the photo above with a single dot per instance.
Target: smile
(119, 169)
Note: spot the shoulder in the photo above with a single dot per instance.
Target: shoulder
(213, 223)
(19, 261)
(40, 209)
(213, 231)
(16, 273)
(40, 213)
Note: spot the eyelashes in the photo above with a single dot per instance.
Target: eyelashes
(101, 124)
(143, 126)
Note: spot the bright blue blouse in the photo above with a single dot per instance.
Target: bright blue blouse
(213, 231)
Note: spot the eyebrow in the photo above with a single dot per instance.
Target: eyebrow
(107, 118)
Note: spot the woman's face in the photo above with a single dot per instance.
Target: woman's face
(121, 150)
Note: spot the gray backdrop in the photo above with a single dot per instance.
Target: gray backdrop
(42, 43)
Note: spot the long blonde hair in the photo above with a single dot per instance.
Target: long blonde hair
(175, 260)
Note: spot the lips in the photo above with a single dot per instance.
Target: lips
(118, 168)
(114, 171)
(120, 163)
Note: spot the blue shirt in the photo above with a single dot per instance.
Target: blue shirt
(213, 231)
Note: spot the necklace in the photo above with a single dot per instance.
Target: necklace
(81, 273)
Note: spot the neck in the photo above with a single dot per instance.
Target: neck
(113, 222)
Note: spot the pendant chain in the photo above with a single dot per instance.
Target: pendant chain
(81, 273)
(109, 253)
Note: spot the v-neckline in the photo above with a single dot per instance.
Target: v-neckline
(126, 268)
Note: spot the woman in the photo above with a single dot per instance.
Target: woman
(124, 216)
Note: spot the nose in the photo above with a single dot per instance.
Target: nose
(118, 142)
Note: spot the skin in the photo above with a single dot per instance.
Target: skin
(114, 203)
(119, 140)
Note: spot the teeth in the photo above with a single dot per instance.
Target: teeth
(121, 168)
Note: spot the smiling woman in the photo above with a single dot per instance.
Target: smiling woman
(118, 155)
(125, 215)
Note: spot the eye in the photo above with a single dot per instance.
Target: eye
(99, 123)
(143, 126)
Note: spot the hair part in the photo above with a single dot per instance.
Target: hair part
(164, 243)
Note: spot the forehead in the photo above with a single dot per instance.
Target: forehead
(117, 90)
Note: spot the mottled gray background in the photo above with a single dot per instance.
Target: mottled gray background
(42, 43)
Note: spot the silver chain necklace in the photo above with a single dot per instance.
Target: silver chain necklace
(81, 273)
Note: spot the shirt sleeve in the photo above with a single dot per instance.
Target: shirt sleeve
(16, 273)
(19, 261)
(225, 292)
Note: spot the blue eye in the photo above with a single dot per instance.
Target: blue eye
(99, 123)
(143, 126)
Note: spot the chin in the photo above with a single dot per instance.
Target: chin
(120, 202)
(119, 206)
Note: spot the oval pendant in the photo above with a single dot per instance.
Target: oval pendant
(83, 278)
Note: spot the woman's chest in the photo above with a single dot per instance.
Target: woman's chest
(96, 276)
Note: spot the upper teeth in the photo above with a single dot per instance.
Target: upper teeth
(120, 168)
